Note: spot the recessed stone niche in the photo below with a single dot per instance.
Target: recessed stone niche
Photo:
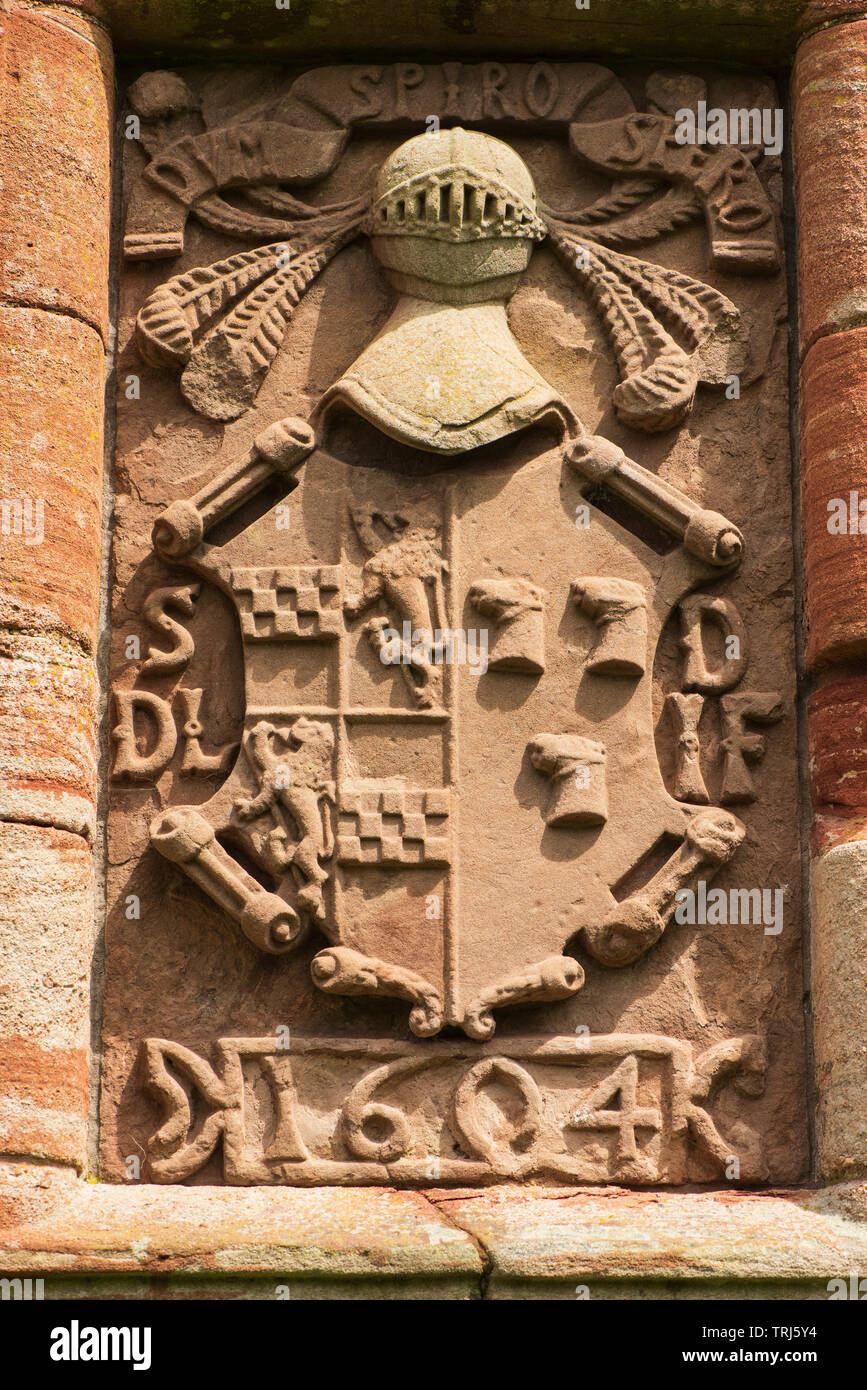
(453, 833)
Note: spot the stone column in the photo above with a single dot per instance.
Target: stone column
(56, 120)
(830, 128)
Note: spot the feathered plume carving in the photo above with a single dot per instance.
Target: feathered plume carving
(639, 303)
(224, 323)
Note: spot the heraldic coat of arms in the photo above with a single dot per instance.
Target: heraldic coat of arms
(446, 794)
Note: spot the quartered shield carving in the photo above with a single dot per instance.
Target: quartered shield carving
(406, 819)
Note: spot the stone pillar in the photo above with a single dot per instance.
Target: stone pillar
(56, 118)
(830, 128)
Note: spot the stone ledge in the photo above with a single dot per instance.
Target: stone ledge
(98, 1240)
(754, 31)
(83, 1230)
(631, 1244)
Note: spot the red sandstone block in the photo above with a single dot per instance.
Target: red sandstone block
(830, 829)
(56, 113)
(834, 470)
(830, 130)
(51, 445)
(54, 1078)
(46, 940)
(47, 732)
(79, 12)
(837, 720)
(819, 12)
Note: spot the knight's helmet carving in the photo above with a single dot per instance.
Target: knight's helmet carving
(453, 223)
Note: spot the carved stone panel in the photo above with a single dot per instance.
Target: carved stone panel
(454, 793)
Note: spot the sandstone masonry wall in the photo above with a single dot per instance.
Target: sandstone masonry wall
(57, 96)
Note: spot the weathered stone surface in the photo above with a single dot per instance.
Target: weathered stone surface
(101, 1241)
(307, 1243)
(549, 808)
(838, 759)
(373, 841)
(656, 1245)
(839, 981)
(834, 470)
(829, 119)
(830, 130)
(77, 14)
(338, 1244)
(837, 828)
(47, 733)
(55, 151)
(46, 936)
(55, 138)
(817, 14)
(846, 1199)
(51, 443)
(755, 31)
(280, 932)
